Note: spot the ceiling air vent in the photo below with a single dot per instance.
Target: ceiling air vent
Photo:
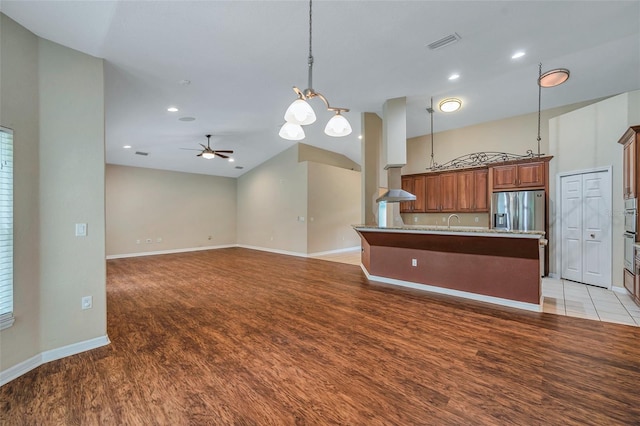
(444, 41)
(142, 153)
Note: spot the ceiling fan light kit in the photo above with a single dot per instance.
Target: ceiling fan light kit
(300, 112)
(209, 153)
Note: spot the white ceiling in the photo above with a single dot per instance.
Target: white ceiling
(243, 57)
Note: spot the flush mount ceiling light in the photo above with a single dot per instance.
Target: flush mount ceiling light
(300, 112)
(553, 78)
(172, 109)
(450, 105)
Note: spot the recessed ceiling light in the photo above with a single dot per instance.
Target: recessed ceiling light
(172, 109)
(360, 137)
(517, 55)
(454, 76)
(187, 118)
(127, 147)
(231, 160)
(450, 105)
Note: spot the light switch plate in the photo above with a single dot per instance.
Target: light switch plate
(81, 229)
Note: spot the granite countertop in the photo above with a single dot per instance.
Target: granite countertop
(454, 230)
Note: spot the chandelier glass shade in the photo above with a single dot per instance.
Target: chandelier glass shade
(300, 112)
(291, 131)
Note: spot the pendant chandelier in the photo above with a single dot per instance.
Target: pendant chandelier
(300, 112)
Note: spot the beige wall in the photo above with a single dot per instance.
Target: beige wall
(183, 210)
(514, 135)
(271, 198)
(52, 97)
(277, 200)
(318, 155)
(19, 111)
(586, 139)
(333, 206)
(71, 191)
(371, 146)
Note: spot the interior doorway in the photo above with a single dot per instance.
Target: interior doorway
(586, 227)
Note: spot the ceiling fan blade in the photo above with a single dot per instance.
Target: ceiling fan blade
(225, 152)
(202, 146)
(199, 155)
(220, 155)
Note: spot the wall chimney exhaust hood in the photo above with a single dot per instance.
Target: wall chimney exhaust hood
(394, 149)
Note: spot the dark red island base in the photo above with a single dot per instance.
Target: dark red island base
(490, 265)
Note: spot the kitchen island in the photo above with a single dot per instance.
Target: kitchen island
(490, 265)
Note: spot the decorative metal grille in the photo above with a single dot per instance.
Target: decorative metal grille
(481, 159)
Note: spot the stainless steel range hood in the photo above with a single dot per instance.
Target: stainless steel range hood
(395, 194)
(394, 149)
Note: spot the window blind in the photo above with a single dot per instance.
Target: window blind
(6, 227)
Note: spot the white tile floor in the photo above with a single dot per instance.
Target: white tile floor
(561, 297)
(572, 299)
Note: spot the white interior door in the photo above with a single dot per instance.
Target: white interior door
(586, 228)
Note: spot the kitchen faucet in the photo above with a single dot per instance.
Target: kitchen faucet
(449, 219)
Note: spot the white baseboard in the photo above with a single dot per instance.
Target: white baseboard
(172, 251)
(342, 250)
(271, 250)
(23, 367)
(441, 290)
(620, 290)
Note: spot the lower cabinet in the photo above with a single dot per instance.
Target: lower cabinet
(629, 281)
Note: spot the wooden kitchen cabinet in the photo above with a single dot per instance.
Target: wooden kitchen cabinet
(630, 140)
(414, 185)
(519, 176)
(441, 193)
(472, 191)
(629, 281)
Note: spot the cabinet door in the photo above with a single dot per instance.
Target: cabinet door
(407, 185)
(448, 192)
(432, 194)
(629, 169)
(530, 175)
(465, 191)
(480, 191)
(504, 177)
(418, 191)
(629, 281)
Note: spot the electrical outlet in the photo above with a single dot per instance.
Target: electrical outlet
(158, 240)
(414, 262)
(415, 218)
(137, 241)
(477, 219)
(148, 241)
(87, 302)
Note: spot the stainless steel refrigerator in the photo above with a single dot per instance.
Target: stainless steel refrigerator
(518, 211)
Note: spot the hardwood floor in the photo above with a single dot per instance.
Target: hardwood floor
(236, 336)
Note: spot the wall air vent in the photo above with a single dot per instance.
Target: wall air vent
(142, 153)
(444, 41)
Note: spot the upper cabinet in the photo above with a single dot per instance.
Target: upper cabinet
(472, 191)
(630, 140)
(414, 185)
(520, 176)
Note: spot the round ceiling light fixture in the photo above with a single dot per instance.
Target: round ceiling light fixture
(450, 105)
(553, 78)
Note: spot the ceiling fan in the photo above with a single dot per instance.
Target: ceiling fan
(209, 153)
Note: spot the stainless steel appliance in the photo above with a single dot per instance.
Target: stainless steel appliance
(630, 221)
(518, 210)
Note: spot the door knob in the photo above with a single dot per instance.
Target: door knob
(592, 235)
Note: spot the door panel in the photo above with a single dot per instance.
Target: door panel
(586, 228)
(572, 228)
